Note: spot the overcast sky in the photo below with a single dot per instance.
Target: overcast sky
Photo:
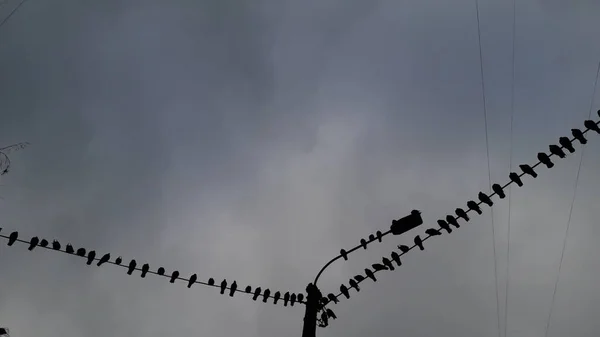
(251, 140)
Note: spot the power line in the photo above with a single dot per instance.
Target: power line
(564, 244)
(12, 12)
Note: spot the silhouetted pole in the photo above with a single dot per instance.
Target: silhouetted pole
(313, 295)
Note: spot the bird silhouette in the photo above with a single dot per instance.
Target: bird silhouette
(44, 243)
(131, 267)
(485, 199)
(81, 252)
(567, 144)
(579, 136)
(324, 320)
(256, 294)
(359, 278)
(105, 258)
(473, 206)
(461, 214)
(248, 289)
(345, 291)
(160, 271)
(528, 170)
(33, 243)
(388, 263)
(344, 254)
(379, 236)
(330, 313)
(232, 288)
(91, 257)
(404, 249)
(499, 191)
(174, 276)
(444, 225)
(119, 260)
(371, 237)
(55, 245)
(12, 238)
(378, 267)
(419, 242)
(354, 285)
(332, 298)
(591, 125)
(370, 274)
(300, 298)
(396, 258)
(276, 297)
(363, 243)
(452, 220)
(69, 249)
(286, 298)
(145, 269)
(223, 286)
(211, 281)
(432, 232)
(267, 293)
(192, 280)
(545, 159)
(516, 179)
(292, 299)
(557, 151)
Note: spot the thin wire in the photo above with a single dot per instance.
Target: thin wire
(564, 245)
(12, 12)
(487, 147)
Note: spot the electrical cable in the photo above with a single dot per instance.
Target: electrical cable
(12, 12)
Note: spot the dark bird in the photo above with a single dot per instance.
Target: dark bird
(499, 191)
(286, 298)
(406, 223)
(211, 281)
(545, 159)
(324, 320)
(378, 267)
(300, 298)
(55, 245)
(579, 136)
(419, 242)
(370, 275)
(232, 288)
(388, 263)
(223, 286)
(461, 214)
(363, 243)
(33, 243)
(528, 170)
(404, 249)
(474, 207)
(44, 243)
(276, 297)
(345, 291)
(567, 144)
(69, 249)
(104, 259)
(396, 258)
(174, 276)
(359, 278)
(516, 179)
(248, 289)
(485, 199)
(145, 269)
(444, 225)
(330, 313)
(256, 294)
(292, 299)
(323, 301)
(12, 238)
(192, 280)
(91, 257)
(379, 236)
(81, 252)
(432, 232)
(452, 220)
(344, 254)
(354, 284)
(371, 237)
(591, 125)
(557, 151)
(119, 260)
(131, 267)
(332, 298)
(160, 271)
(266, 295)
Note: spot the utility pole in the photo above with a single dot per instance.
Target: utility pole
(313, 295)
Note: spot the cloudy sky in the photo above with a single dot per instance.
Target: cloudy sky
(251, 140)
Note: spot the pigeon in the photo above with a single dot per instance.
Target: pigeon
(359, 278)
(232, 288)
(557, 151)
(461, 214)
(332, 298)
(444, 225)
(91, 257)
(452, 220)
(567, 144)
(591, 125)
(545, 159)
(81, 252)
(344, 254)
(345, 291)
(33, 243)
(579, 136)
(145, 269)
(432, 232)
(371, 237)
(266, 295)
(131, 267)
(330, 314)
(300, 298)
(363, 243)
(485, 199)
(379, 236)
(12, 238)
(192, 280)
(404, 249)
(211, 281)
(324, 319)
(323, 301)
(161, 271)
(516, 179)
(378, 267)
(44, 243)
(419, 242)
(388, 263)
(276, 297)
(223, 286)
(248, 289)
(174, 276)
(354, 285)
(528, 170)
(256, 294)
(103, 259)
(396, 258)
(55, 245)
(292, 299)
(370, 275)
(499, 191)
(473, 206)
(119, 260)
(286, 298)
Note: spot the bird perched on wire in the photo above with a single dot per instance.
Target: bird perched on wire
(12, 238)
(256, 294)
(432, 232)
(330, 313)
(55, 245)
(145, 269)
(371, 237)
(591, 125)
(387, 263)
(286, 298)
(344, 254)
(266, 295)
(473, 206)
(359, 278)
(485, 199)
(292, 299)
(33, 243)
(276, 297)
(300, 298)
(567, 144)
(444, 225)
(354, 284)
(105, 258)
(345, 291)
(363, 243)
(461, 214)
(248, 289)
(378, 267)
(131, 267)
(69, 249)
(370, 275)
(545, 159)
(514, 177)
(579, 136)
(192, 280)
(174, 276)
(452, 220)
(557, 151)
(419, 242)
(331, 297)
(81, 252)
(232, 288)
(44, 243)
(160, 271)
(396, 258)
(528, 170)
(379, 236)
(91, 257)
(499, 191)
(404, 249)
(118, 261)
(223, 286)
(211, 281)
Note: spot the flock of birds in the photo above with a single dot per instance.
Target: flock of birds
(450, 222)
